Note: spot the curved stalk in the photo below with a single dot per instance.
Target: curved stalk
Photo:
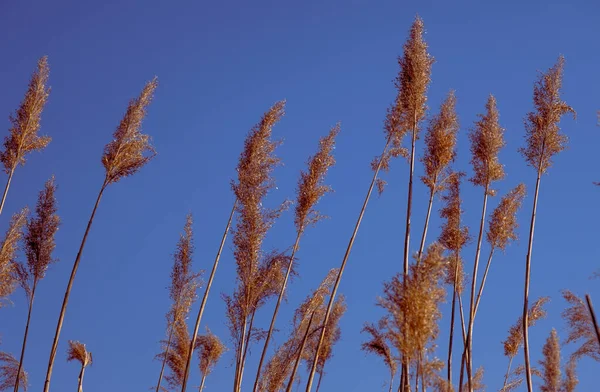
(299, 356)
(487, 268)
(426, 226)
(80, 381)
(205, 298)
(164, 362)
(63, 309)
(311, 375)
(17, 378)
(507, 373)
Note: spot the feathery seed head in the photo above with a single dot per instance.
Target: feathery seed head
(581, 327)
(453, 236)
(23, 134)
(130, 149)
(543, 137)
(504, 219)
(440, 142)
(210, 348)
(570, 382)
(515, 334)
(310, 185)
(551, 364)
(78, 352)
(9, 367)
(378, 345)
(9, 271)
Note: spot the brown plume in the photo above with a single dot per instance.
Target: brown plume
(551, 364)
(9, 366)
(378, 345)
(8, 249)
(504, 220)
(23, 137)
(440, 143)
(515, 334)
(487, 139)
(543, 136)
(570, 381)
(78, 352)
(130, 149)
(210, 349)
(453, 236)
(581, 328)
(176, 352)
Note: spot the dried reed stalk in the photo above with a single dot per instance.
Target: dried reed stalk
(205, 296)
(39, 245)
(8, 257)
(593, 316)
(440, 143)
(23, 137)
(404, 114)
(78, 352)
(486, 142)
(311, 188)
(182, 290)
(210, 349)
(124, 156)
(543, 141)
(9, 369)
(453, 237)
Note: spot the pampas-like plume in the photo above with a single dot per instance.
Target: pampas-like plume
(176, 351)
(570, 381)
(581, 328)
(78, 352)
(453, 237)
(551, 364)
(8, 249)
(23, 137)
(515, 334)
(486, 142)
(378, 345)
(210, 349)
(543, 141)
(8, 372)
(184, 283)
(39, 245)
(440, 143)
(123, 156)
(310, 190)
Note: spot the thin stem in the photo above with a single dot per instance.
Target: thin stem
(276, 311)
(164, 362)
(80, 386)
(527, 279)
(487, 268)
(449, 367)
(593, 315)
(246, 347)
(63, 309)
(202, 383)
(319, 383)
(299, 356)
(205, 298)
(17, 378)
(341, 270)
(507, 373)
(240, 357)
(391, 382)
(469, 346)
(425, 227)
(10, 175)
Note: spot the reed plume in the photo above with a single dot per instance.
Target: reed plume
(581, 328)
(9, 369)
(210, 349)
(476, 383)
(378, 345)
(78, 352)
(39, 244)
(310, 189)
(514, 341)
(182, 291)
(551, 375)
(125, 155)
(403, 115)
(8, 258)
(453, 237)
(23, 135)
(570, 381)
(543, 142)
(590, 307)
(255, 168)
(486, 142)
(440, 143)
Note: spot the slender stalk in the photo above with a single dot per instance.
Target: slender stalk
(425, 227)
(276, 311)
(391, 382)
(311, 375)
(319, 383)
(249, 338)
(164, 362)
(487, 268)
(240, 358)
(299, 356)
(465, 354)
(474, 286)
(449, 367)
(507, 373)
(80, 386)
(25, 337)
(593, 315)
(202, 383)
(10, 175)
(205, 298)
(527, 278)
(63, 309)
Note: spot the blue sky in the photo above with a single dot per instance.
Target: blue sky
(220, 66)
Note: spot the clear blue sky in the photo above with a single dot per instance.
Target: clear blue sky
(220, 66)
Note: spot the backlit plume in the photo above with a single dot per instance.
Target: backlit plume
(8, 250)
(504, 219)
